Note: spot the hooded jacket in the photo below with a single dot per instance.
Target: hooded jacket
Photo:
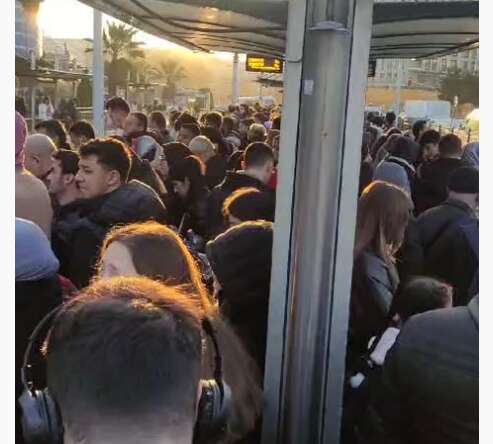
(78, 235)
(232, 182)
(430, 381)
(435, 221)
(431, 183)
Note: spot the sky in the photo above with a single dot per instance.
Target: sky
(72, 19)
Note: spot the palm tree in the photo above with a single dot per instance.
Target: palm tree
(171, 73)
(120, 49)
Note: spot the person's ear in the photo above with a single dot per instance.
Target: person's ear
(114, 178)
(68, 179)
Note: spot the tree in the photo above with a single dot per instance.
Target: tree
(84, 93)
(462, 84)
(171, 73)
(119, 49)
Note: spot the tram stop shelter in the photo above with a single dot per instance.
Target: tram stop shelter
(326, 46)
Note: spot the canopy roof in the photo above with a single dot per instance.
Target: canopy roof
(400, 30)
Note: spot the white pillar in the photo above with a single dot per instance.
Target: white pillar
(236, 80)
(98, 75)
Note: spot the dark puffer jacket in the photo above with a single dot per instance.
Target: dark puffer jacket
(372, 292)
(77, 237)
(430, 381)
(431, 185)
(233, 181)
(435, 221)
(241, 260)
(454, 257)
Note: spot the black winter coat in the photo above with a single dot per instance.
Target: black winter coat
(454, 258)
(215, 170)
(431, 185)
(78, 236)
(410, 257)
(33, 300)
(435, 221)
(372, 292)
(430, 381)
(233, 181)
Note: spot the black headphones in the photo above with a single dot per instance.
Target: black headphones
(42, 420)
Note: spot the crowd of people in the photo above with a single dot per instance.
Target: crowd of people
(143, 263)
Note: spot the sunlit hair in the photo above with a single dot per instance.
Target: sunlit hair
(159, 253)
(383, 214)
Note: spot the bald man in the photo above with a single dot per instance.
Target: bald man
(38, 152)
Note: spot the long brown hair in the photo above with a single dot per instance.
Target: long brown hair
(383, 214)
(159, 253)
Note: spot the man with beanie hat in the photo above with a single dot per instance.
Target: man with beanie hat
(462, 203)
(32, 201)
(450, 236)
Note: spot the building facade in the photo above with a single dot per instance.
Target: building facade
(28, 38)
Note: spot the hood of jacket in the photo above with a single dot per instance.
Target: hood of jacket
(235, 180)
(132, 202)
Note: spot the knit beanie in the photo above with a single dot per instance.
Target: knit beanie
(464, 180)
(34, 258)
(20, 139)
(241, 257)
(393, 173)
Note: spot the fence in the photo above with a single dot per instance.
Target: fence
(466, 135)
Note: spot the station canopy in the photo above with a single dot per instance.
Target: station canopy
(400, 29)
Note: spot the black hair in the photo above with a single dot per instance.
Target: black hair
(390, 118)
(430, 136)
(276, 123)
(247, 122)
(69, 161)
(421, 294)
(257, 154)
(111, 153)
(228, 122)
(192, 168)
(193, 128)
(158, 117)
(450, 145)
(215, 118)
(404, 148)
(184, 118)
(378, 121)
(215, 136)
(118, 103)
(418, 127)
(131, 348)
(55, 129)
(83, 128)
(249, 204)
(142, 118)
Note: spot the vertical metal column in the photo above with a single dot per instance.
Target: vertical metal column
(311, 278)
(235, 93)
(98, 75)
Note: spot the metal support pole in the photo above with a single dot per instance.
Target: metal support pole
(235, 93)
(311, 275)
(33, 107)
(98, 75)
(398, 88)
